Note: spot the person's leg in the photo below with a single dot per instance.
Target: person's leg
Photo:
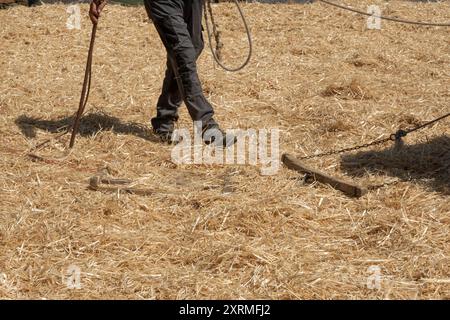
(170, 99)
(168, 103)
(193, 15)
(169, 19)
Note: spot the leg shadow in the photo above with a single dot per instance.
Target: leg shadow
(90, 124)
(427, 163)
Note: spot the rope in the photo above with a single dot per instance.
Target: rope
(402, 133)
(385, 17)
(86, 88)
(216, 32)
(393, 137)
(216, 53)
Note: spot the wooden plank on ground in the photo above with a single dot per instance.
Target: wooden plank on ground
(349, 188)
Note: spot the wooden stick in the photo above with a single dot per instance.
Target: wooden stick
(98, 183)
(351, 189)
(85, 90)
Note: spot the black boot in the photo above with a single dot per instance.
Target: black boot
(164, 130)
(212, 134)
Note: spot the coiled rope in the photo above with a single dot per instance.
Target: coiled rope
(216, 53)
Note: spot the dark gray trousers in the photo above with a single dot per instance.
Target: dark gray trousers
(179, 25)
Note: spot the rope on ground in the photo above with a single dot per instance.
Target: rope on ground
(402, 133)
(385, 17)
(396, 137)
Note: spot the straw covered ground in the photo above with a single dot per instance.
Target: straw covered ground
(317, 74)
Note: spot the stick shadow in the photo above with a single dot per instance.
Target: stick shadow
(427, 163)
(90, 124)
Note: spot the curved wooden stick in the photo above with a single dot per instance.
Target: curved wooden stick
(85, 90)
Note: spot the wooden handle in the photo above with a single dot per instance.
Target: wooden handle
(85, 89)
(351, 189)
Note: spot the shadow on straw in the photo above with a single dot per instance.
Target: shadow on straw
(427, 163)
(90, 124)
